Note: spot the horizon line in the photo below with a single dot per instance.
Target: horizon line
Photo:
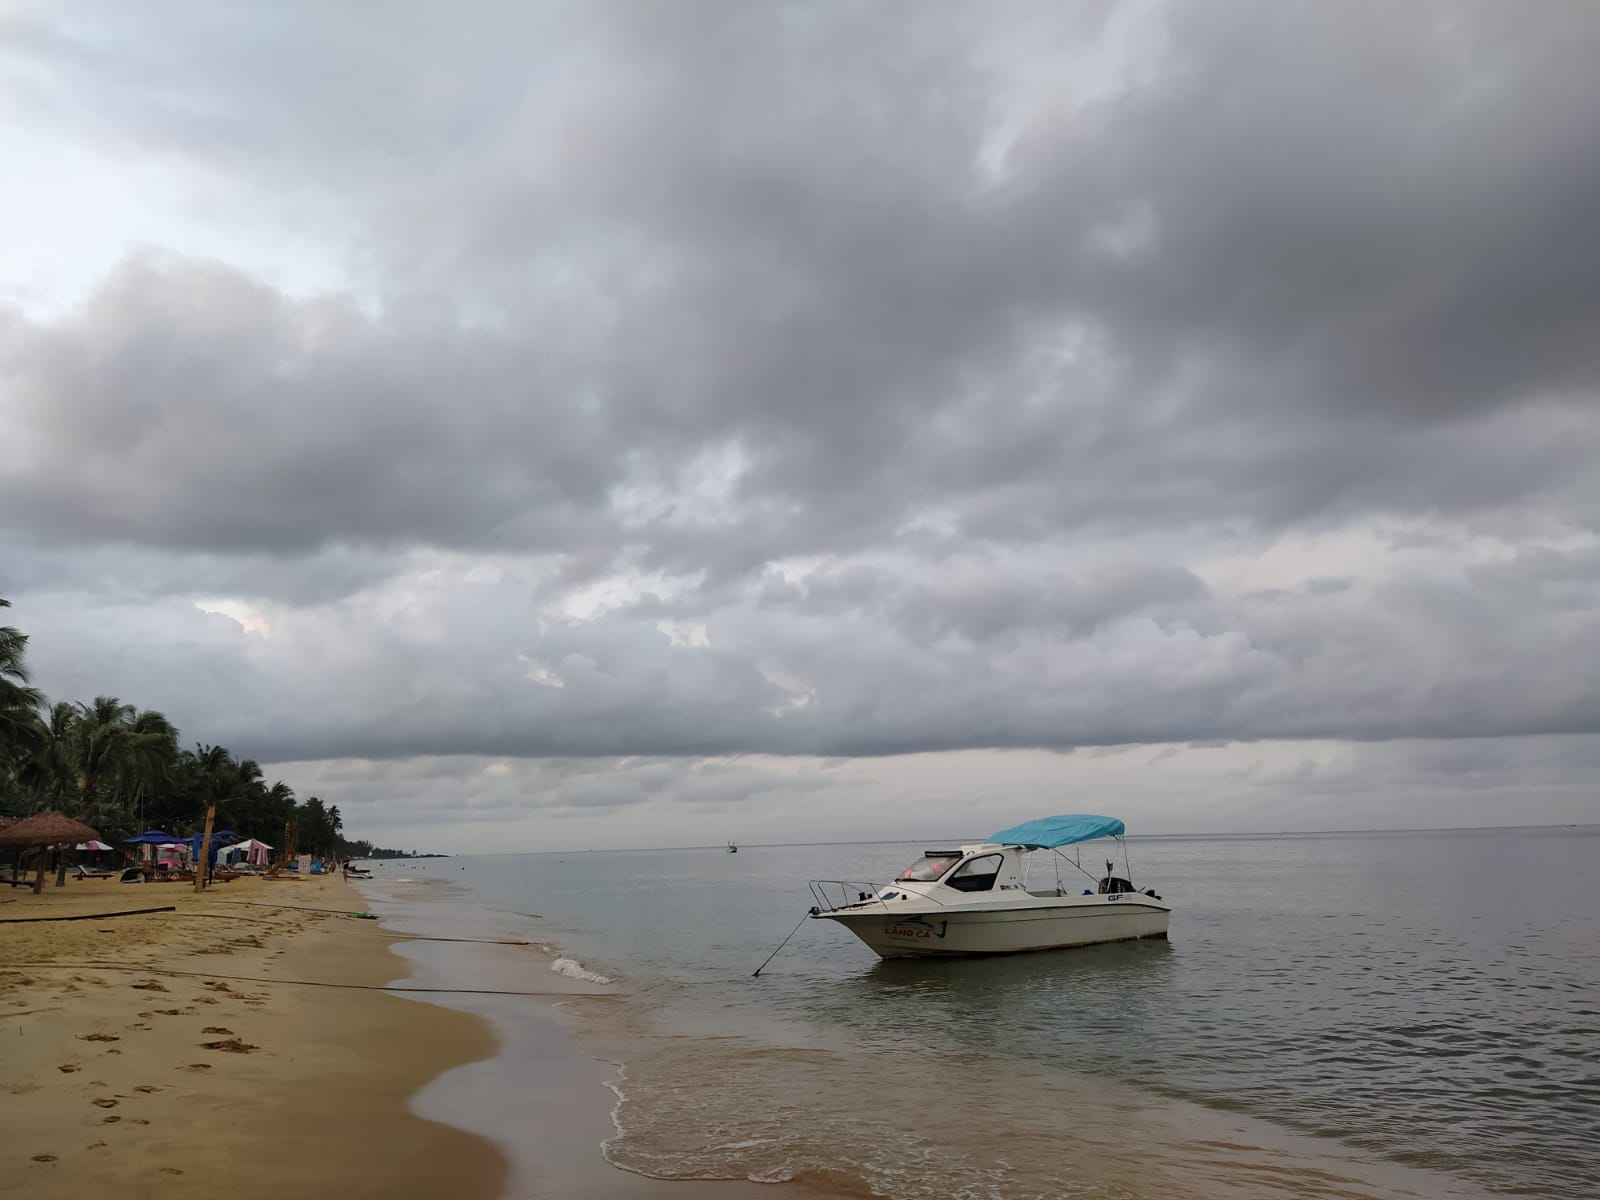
(965, 841)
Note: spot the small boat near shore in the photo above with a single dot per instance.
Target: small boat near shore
(978, 899)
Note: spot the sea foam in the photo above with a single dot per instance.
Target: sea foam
(573, 969)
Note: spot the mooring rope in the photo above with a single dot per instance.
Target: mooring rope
(363, 987)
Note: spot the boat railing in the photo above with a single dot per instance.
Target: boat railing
(834, 894)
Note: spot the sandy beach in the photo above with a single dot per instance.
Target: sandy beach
(173, 1053)
(243, 1040)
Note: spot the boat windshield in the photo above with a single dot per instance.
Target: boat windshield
(930, 866)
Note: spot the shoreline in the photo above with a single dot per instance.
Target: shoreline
(171, 1053)
(547, 1103)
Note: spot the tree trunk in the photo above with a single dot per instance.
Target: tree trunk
(204, 858)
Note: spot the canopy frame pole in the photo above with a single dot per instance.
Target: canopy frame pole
(1079, 865)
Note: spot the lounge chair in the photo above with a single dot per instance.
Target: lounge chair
(82, 872)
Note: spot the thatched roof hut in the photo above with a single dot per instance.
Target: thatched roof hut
(46, 829)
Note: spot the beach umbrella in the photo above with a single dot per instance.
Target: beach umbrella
(219, 838)
(92, 845)
(151, 837)
(46, 829)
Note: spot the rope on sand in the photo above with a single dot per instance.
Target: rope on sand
(399, 937)
(361, 987)
(338, 912)
(341, 912)
(127, 912)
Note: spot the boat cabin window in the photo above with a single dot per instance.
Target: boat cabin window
(976, 874)
(930, 866)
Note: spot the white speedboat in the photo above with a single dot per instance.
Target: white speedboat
(980, 900)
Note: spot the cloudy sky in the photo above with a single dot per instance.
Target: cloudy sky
(611, 424)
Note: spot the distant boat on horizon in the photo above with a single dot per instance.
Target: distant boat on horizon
(732, 848)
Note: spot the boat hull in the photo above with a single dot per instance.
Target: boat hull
(950, 932)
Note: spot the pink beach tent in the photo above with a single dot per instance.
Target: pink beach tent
(172, 854)
(252, 851)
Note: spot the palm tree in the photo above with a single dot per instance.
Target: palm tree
(268, 817)
(19, 703)
(49, 773)
(99, 746)
(148, 764)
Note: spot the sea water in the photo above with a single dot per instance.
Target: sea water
(1341, 1015)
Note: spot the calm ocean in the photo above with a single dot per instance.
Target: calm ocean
(1339, 1015)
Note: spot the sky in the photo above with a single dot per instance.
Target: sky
(547, 426)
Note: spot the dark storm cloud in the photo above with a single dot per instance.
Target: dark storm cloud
(1340, 224)
(685, 292)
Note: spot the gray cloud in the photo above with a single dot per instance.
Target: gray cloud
(719, 382)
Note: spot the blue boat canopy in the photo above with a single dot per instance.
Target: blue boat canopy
(1049, 832)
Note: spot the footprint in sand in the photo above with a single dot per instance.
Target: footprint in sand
(147, 1088)
(111, 1120)
(68, 1068)
(171, 1171)
(138, 1121)
(44, 1158)
(98, 1037)
(215, 1029)
(196, 1067)
(95, 1146)
(149, 986)
(231, 1045)
(104, 1103)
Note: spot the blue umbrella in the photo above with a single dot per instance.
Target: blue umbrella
(217, 837)
(151, 837)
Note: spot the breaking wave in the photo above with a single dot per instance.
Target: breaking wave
(573, 969)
